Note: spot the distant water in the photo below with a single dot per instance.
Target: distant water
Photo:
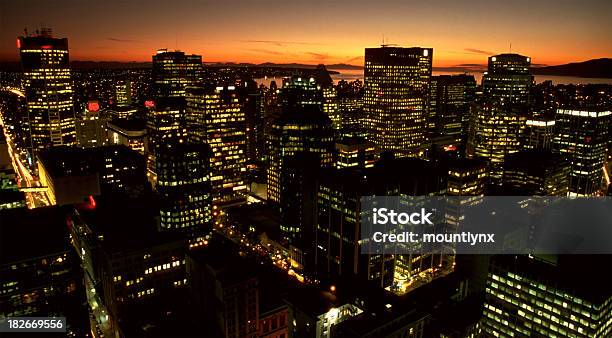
(351, 75)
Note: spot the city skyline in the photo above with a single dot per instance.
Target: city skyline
(424, 195)
(461, 33)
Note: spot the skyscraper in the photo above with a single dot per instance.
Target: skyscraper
(396, 98)
(582, 137)
(299, 92)
(537, 172)
(296, 130)
(539, 132)
(91, 126)
(216, 116)
(494, 133)
(508, 79)
(48, 89)
(174, 71)
(355, 152)
(337, 242)
(123, 93)
(166, 123)
(449, 109)
(183, 184)
(529, 296)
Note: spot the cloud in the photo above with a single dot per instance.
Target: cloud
(470, 65)
(122, 40)
(279, 43)
(265, 51)
(356, 58)
(478, 51)
(319, 56)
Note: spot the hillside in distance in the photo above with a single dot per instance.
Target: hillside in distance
(597, 68)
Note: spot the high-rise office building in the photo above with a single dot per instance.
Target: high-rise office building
(539, 132)
(166, 123)
(508, 79)
(298, 195)
(216, 116)
(72, 175)
(300, 92)
(582, 137)
(40, 274)
(466, 177)
(537, 172)
(355, 152)
(494, 133)
(449, 109)
(253, 100)
(91, 126)
(296, 130)
(123, 93)
(226, 289)
(527, 296)
(174, 71)
(130, 133)
(337, 244)
(396, 98)
(183, 184)
(350, 107)
(329, 95)
(126, 264)
(48, 90)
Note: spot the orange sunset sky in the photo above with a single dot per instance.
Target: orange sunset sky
(333, 31)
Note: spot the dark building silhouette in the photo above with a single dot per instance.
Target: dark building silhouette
(72, 174)
(295, 131)
(538, 173)
(130, 269)
(184, 188)
(339, 214)
(40, 274)
(449, 109)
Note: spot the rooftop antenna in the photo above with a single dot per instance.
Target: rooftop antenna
(510, 47)
(387, 44)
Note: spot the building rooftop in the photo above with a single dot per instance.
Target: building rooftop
(128, 125)
(27, 234)
(72, 161)
(535, 161)
(573, 274)
(124, 224)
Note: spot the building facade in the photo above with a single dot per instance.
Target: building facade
(48, 90)
(582, 137)
(216, 116)
(396, 96)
